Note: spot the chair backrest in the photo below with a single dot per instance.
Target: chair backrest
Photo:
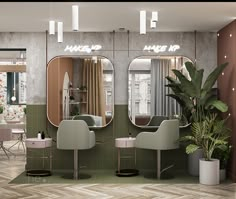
(87, 118)
(156, 120)
(73, 135)
(5, 135)
(167, 135)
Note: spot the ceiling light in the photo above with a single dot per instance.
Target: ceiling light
(143, 22)
(59, 32)
(155, 16)
(51, 27)
(75, 17)
(152, 24)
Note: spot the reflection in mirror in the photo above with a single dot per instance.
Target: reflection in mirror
(80, 88)
(148, 104)
(13, 83)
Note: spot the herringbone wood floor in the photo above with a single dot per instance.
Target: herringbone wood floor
(9, 169)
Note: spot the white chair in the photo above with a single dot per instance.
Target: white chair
(75, 135)
(165, 138)
(5, 135)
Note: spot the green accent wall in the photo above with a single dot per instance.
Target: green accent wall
(104, 154)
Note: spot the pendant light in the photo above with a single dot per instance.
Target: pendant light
(154, 16)
(51, 27)
(60, 32)
(152, 24)
(75, 17)
(143, 22)
(13, 98)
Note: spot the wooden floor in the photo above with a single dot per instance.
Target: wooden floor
(11, 168)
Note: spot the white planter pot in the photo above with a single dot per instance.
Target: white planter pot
(222, 174)
(209, 172)
(193, 162)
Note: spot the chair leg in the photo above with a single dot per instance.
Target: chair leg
(76, 172)
(158, 164)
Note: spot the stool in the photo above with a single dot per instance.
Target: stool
(20, 141)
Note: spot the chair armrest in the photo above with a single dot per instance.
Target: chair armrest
(91, 139)
(146, 140)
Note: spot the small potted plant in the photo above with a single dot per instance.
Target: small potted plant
(223, 154)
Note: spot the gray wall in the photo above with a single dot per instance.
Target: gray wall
(114, 46)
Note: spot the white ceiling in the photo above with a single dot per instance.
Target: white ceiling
(109, 16)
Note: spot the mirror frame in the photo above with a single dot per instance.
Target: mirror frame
(141, 56)
(79, 56)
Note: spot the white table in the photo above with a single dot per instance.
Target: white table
(35, 143)
(12, 125)
(126, 142)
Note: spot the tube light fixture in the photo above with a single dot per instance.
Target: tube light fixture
(51, 27)
(152, 24)
(59, 32)
(154, 16)
(143, 22)
(75, 17)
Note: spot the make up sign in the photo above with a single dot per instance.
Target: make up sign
(161, 48)
(82, 48)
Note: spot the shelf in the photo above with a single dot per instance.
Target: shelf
(77, 102)
(76, 89)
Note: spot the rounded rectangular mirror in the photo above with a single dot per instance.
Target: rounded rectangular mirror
(148, 104)
(81, 88)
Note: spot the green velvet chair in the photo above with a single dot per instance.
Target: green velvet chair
(75, 135)
(164, 138)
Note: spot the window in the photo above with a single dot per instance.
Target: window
(108, 85)
(139, 82)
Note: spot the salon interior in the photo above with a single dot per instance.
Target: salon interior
(118, 93)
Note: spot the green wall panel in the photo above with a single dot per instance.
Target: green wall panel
(104, 154)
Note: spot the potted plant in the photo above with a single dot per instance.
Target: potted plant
(223, 154)
(197, 99)
(213, 134)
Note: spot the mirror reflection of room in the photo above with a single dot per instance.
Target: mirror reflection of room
(148, 103)
(85, 90)
(13, 84)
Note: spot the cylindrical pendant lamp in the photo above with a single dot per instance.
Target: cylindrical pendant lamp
(143, 22)
(51, 27)
(75, 17)
(152, 24)
(59, 32)
(155, 16)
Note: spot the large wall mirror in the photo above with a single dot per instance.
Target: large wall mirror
(13, 83)
(147, 100)
(82, 88)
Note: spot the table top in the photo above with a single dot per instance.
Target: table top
(125, 142)
(39, 140)
(9, 125)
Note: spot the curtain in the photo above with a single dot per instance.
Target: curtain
(161, 104)
(93, 80)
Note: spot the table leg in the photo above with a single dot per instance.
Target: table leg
(118, 160)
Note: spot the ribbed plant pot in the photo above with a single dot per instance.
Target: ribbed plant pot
(193, 162)
(209, 172)
(222, 174)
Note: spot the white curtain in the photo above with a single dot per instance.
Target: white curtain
(161, 104)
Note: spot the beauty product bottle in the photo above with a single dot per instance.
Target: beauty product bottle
(130, 136)
(42, 135)
(39, 135)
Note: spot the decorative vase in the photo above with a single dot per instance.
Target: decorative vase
(193, 162)
(209, 171)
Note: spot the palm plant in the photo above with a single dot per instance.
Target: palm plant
(195, 98)
(209, 135)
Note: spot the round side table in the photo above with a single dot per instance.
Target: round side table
(126, 142)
